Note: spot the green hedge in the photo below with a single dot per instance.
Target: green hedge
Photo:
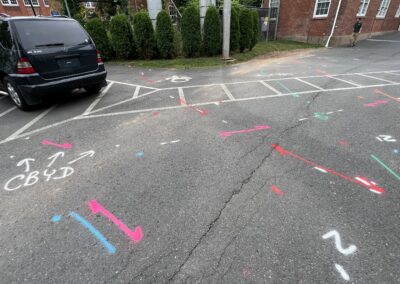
(256, 28)
(98, 33)
(191, 36)
(122, 37)
(235, 29)
(165, 35)
(246, 29)
(144, 35)
(212, 32)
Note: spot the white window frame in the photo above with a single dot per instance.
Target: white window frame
(316, 6)
(48, 3)
(90, 6)
(363, 4)
(276, 5)
(379, 15)
(9, 3)
(26, 2)
(397, 12)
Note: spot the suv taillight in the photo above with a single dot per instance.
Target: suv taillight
(24, 66)
(99, 60)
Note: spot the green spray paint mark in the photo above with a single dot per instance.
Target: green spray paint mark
(321, 116)
(386, 167)
(294, 94)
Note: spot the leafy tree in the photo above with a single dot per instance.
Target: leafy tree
(98, 33)
(256, 28)
(165, 35)
(246, 29)
(235, 29)
(251, 3)
(144, 35)
(212, 32)
(191, 36)
(122, 37)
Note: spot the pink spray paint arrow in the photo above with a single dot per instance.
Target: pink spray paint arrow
(50, 143)
(136, 235)
(256, 128)
(364, 182)
(376, 103)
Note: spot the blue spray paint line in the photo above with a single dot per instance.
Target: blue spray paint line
(56, 218)
(139, 154)
(294, 94)
(85, 223)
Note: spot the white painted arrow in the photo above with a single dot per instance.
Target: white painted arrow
(83, 155)
(26, 163)
(55, 157)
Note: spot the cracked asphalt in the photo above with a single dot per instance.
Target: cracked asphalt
(190, 188)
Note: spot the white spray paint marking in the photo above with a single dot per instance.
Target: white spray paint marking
(301, 119)
(117, 145)
(338, 243)
(26, 163)
(386, 138)
(12, 157)
(170, 142)
(83, 155)
(342, 272)
(177, 79)
(321, 170)
(172, 97)
(54, 157)
(224, 121)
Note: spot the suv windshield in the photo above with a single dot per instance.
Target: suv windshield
(45, 33)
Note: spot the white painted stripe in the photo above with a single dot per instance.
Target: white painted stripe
(384, 40)
(7, 111)
(175, 141)
(97, 100)
(29, 124)
(136, 93)
(270, 87)
(182, 99)
(363, 181)
(133, 85)
(342, 272)
(301, 119)
(374, 191)
(237, 100)
(379, 79)
(344, 81)
(321, 170)
(227, 92)
(329, 112)
(308, 83)
(339, 110)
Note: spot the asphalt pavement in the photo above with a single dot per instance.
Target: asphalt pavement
(285, 169)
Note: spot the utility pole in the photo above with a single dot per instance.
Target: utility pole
(66, 6)
(227, 29)
(33, 9)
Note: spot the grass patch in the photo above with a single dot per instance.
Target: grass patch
(262, 48)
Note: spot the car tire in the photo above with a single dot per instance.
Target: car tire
(93, 89)
(15, 94)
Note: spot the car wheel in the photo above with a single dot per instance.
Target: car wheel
(15, 94)
(93, 89)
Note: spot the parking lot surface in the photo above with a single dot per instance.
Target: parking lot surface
(279, 170)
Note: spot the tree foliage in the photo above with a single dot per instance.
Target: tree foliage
(98, 33)
(256, 28)
(122, 37)
(165, 35)
(246, 29)
(191, 36)
(144, 35)
(235, 29)
(212, 32)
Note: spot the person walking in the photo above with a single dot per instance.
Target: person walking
(356, 31)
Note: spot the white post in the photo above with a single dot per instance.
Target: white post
(227, 29)
(203, 10)
(66, 6)
(334, 24)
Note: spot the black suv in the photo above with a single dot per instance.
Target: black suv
(41, 56)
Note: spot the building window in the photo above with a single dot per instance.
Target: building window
(398, 12)
(321, 8)
(89, 5)
(9, 2)
(383, 9)
(274, 5)
(46, 3)
(35, 3)
(362, 10)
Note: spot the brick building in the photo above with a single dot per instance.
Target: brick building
(312, 20)
(23, 7)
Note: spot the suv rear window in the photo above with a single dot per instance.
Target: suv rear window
(42, 33)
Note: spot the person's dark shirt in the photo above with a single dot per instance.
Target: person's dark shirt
(357, 27)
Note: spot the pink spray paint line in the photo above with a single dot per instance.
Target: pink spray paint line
(63, 146)
(256, 128)
(374, 104)
(136, 235)
(276, 190)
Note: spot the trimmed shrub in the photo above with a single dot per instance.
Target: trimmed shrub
(191, 36)
(122, 37)
(99, 35)
(246, 29)
(212, 32)
(235, 29)
(256, 28)
(165, 35)
(144, 35)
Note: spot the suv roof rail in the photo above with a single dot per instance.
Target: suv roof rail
(4, 15)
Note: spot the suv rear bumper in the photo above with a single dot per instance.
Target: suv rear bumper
(33, 87)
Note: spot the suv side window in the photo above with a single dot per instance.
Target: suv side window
(5, 35)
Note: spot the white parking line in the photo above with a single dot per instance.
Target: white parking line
(344, 81)
(308, 83)
(97, 100)
(7, 111)
(182, 97)
(270, 87)
(133, 85)
(227, 92)
(29, 124)
(136, 93)
(379, 79)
